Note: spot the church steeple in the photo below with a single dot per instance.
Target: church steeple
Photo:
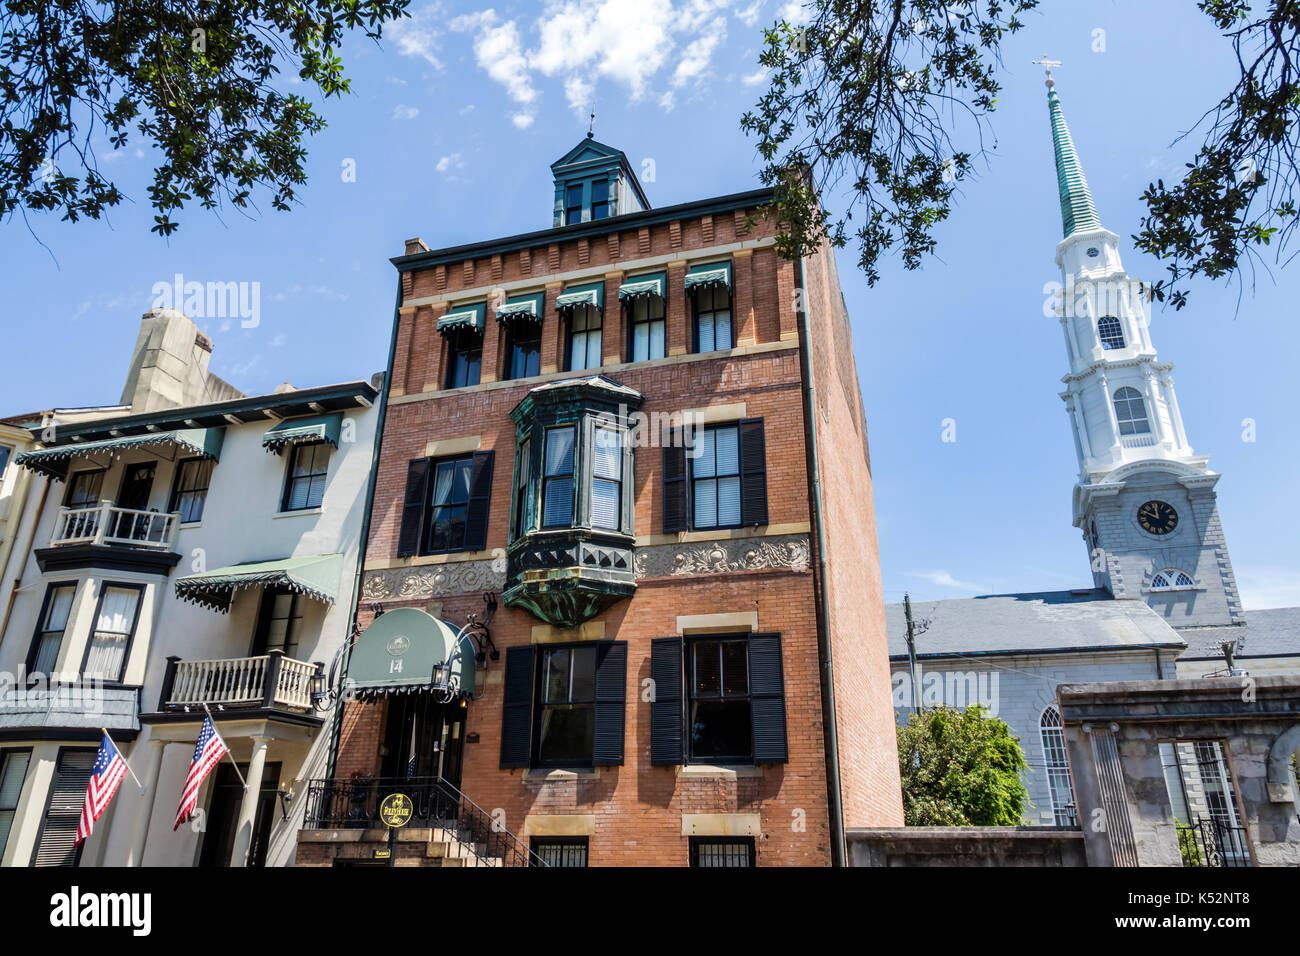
(1144, 500)
(1078, 213)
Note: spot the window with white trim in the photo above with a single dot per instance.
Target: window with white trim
(1171, 579)
(1058, 768)
(1131, 412)
(1110, 332)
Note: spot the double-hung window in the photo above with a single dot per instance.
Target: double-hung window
(573, 204)
(715, 478)
(190, 492)
(646, 314)
(600, 199)
(50, 629)
(115, 623)
(464, 358)
(446, 505)
(523, 349)
(720, 719)
(584, 338)
(558, 477)
(1131, 412)
(566, 705)
(84, 488)
(607, 478)
(713, 319)
(304, 487)
(279, 623)
(13, 770)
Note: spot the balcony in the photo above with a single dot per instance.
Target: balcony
(69, 711)
(107, 536)
(269, 681)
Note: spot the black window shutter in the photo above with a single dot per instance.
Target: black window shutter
(480, 493)
(517, 707)
(753, 472)
(767, 698)
(417, 485)
(666, 721)
(611, 703)
(676, 517)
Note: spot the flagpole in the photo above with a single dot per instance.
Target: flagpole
(124, 763)
(225, 747)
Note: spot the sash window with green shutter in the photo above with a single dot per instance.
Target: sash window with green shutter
(715, 477)
(57, 844)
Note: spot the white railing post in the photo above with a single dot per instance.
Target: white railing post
(105, 511)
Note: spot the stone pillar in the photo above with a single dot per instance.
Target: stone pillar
(140, 827)
(248, 806)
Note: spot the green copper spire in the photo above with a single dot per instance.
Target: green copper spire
(1077, 210)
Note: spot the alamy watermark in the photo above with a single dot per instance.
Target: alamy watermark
(211, 300)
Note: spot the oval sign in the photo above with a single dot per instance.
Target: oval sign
(396, 810)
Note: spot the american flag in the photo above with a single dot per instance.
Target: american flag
(207, 754)
(105, 777)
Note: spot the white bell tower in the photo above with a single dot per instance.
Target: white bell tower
(1144, 500)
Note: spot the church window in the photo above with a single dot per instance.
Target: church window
(1058, 768)
(1112, 336)
(1131, 412)
(1172, 578)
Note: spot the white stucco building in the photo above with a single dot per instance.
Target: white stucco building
(178, 557)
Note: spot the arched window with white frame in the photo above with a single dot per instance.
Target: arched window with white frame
(1171, 579)
(1131, 412)
(1058, 768)
(1110, 332)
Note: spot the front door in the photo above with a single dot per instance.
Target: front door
(137, 483)
(223, 816)
(423, 738)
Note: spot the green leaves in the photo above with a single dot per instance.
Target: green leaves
(869, 95)
(960, 768)
(194, 81)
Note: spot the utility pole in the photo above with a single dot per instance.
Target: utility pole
(911, 653)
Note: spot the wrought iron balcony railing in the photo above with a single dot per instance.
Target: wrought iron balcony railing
(1212, 842)
(354, 804)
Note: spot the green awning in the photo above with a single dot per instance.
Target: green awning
(187, 442)
(653, 284)
(593, 294)
(705, 276)
(314, 575)
(303, 431)
(524, 308)
(406, 651)
(473, 317)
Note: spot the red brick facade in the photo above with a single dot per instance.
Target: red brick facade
(638, 808)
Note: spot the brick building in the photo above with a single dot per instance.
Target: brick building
(619, 615)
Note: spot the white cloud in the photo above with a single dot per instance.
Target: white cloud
(749, 15)
(522, 120)
(448, 163)
(667, 101)
(404, 112)
(694, 62)
(944, 579)
(578, 92)
(279, 341)
(417, 35)
(794, 13)
(395, 80)
(755, 78)
(498, 49)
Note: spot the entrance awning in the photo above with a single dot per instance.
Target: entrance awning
(187, 442)
(406, 651)
(303, 431)
(313, 575)
(707, 276)
(572, 298)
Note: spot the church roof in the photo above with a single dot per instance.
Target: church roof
(1045, 621)
(1078, 213)
(1274, 632)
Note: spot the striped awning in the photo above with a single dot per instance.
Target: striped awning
(313, 575)
(472, 317)
(303, 431)
(709, 275)
(653, 284)
(53, 462)
(522, 308)
(572, 298)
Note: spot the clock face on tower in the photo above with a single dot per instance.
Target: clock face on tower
(1157, 517)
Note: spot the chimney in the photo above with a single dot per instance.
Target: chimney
(169, 365)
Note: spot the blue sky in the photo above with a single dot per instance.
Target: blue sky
(450, 128)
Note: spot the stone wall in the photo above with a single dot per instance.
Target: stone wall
(966, 846)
